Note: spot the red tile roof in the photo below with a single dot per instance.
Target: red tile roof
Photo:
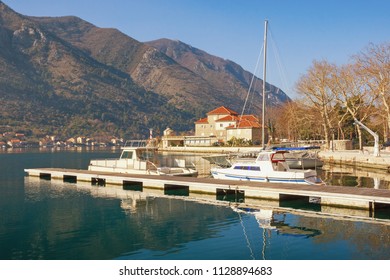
(245, 124)
(227, 119)
(204, 120)
(244, 121)
(250, 118)
(222, 111)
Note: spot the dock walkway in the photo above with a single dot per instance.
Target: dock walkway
(335, 196)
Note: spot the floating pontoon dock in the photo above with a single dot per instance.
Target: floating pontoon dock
(335, 196)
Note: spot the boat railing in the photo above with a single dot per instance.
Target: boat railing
(113, 163)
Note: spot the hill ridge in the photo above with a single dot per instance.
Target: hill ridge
(83, 79)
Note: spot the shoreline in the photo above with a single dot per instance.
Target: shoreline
(357, 158)
(210, 150)
(353, 158)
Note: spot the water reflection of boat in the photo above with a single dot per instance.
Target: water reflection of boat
(267, 220)
(269, 166)
(131, 204)
(286, 229)
(270, 221)
(140, 157)
(264, 217)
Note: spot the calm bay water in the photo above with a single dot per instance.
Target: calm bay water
(51, 220)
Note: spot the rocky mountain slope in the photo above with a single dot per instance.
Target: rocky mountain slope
(228, 77)
(66, 76)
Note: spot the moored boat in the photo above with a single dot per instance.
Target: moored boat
(140, 157)
(269, 166)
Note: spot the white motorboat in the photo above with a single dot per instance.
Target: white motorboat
(269, 166)
(140, 157)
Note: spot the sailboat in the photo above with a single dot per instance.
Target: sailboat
(269, 166)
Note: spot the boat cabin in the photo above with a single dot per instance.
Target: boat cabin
(139, 154)
(275, 160)
(266, 161)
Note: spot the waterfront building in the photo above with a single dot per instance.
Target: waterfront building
(219, 126)
(223, 124)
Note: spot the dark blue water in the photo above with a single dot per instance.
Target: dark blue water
(53, 220)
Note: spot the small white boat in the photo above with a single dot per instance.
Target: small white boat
(140, 157)
(269, 166)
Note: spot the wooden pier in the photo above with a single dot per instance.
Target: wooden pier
(365, 199)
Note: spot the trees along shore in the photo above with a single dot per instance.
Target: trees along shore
(331, 97)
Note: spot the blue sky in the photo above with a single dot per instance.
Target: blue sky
(300, 30)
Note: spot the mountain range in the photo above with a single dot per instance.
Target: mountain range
(65, 76)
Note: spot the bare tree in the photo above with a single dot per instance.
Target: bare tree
(287, 121)
(354, 94)
(374, 65)
(316, 87)
(296, 120)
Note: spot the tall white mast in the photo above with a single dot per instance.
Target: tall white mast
(264, 77)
